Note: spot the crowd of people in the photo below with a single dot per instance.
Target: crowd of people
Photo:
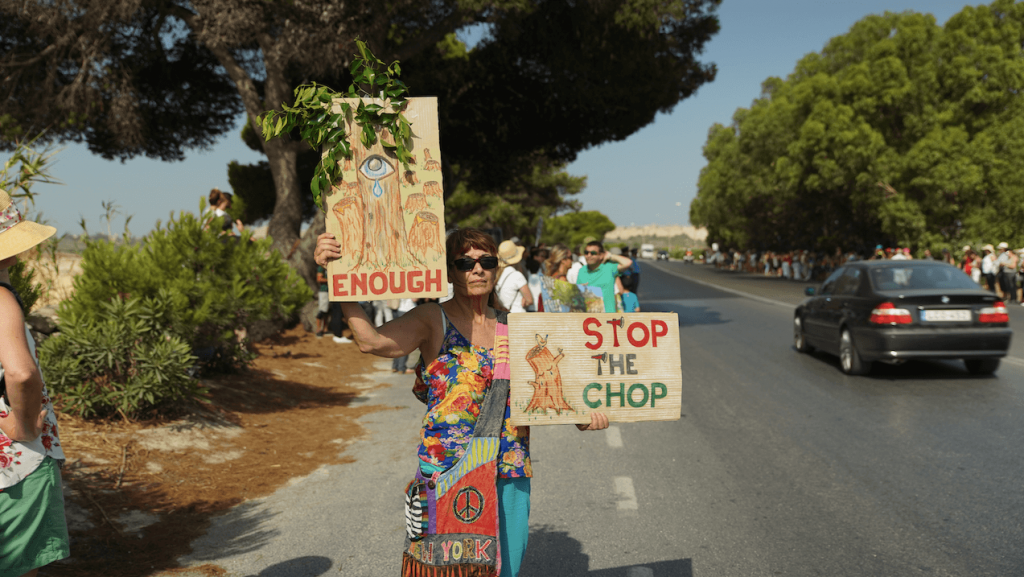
(517, 286)
(998, 268)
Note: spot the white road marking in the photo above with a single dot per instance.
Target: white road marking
(639, 572)
(614, 437)
(627, 496)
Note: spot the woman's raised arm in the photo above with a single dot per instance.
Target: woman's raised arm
(395, 339)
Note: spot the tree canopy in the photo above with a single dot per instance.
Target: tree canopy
(898, 132)
(160, 77)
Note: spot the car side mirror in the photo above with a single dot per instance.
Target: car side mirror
(809, 291)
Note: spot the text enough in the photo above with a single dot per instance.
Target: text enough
(378, 283)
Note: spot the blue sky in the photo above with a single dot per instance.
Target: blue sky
(758, 39)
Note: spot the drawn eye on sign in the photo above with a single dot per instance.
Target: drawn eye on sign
(390, 226)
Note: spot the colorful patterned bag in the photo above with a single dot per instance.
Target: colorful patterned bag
(452, 517)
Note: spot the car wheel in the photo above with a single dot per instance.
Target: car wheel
(799, 339)
(849, 358)
(981, 366)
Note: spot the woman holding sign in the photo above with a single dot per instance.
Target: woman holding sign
(470, 455)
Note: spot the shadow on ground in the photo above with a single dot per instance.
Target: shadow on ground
(309, 566)
(553, 552)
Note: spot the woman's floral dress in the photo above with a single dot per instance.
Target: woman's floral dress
(17, 460)
(453, 387)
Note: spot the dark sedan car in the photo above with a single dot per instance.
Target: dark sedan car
(897, 310)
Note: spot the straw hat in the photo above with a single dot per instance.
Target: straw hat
(988, 247)
(1003, 245)
(509, 253)
(17, 235)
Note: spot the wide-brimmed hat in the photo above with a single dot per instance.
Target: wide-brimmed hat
(18, 235)
(509, 253)
(966, 248)
(988, 247)
(1003, 245)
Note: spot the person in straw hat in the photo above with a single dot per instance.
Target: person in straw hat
(33, 530)
(511, 287)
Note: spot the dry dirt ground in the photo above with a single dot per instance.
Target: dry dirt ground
(139, 493)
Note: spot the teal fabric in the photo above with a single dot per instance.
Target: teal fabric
(33, 530)
(602, 278)
(513, 523)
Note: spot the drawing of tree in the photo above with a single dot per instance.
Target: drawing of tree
(547, 383)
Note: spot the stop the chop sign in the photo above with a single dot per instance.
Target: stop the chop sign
(567, 365)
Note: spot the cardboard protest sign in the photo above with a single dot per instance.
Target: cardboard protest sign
(565, 297)
(566, 365)
(389, 220)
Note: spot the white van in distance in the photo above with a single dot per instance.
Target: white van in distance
(647, 251)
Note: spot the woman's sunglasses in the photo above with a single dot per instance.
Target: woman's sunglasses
(467, 264)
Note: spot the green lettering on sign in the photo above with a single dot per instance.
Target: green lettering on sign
(586, 395)
(643, 400)
(621, 394)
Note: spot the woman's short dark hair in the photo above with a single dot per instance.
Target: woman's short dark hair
(461, 241)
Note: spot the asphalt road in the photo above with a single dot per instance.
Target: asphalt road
(780, 465)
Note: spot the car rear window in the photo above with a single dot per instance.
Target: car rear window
(920, 276)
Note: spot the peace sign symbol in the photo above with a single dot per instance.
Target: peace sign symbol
(468, 505)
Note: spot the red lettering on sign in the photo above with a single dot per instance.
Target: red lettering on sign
(383, 283)
(658, 329)
(415, 286)
(339, 289)
(358, 282)
(434, 281)
(395, 287)
(592, 333)
(635, 342)
(616, 324)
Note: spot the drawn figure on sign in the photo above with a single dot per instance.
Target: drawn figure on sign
(378, 189)
(425, 236)
(416, 202)
(547, 383)
(430, 164)
(432, 188)
(349, 212)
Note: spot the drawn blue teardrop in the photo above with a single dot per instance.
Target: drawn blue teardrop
(377, 190)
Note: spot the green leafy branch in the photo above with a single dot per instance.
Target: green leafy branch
(382, 100)
(25, 167)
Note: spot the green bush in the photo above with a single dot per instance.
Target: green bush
(119, 359)
(211, 283)
(23, 281)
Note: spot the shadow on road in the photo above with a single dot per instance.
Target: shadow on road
(309, 566)
(553, 552)
(937, 370)
(244, 529)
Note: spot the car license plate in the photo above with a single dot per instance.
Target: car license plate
(946, 316)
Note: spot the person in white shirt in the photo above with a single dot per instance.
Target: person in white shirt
(511, 287)
(988, 266)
